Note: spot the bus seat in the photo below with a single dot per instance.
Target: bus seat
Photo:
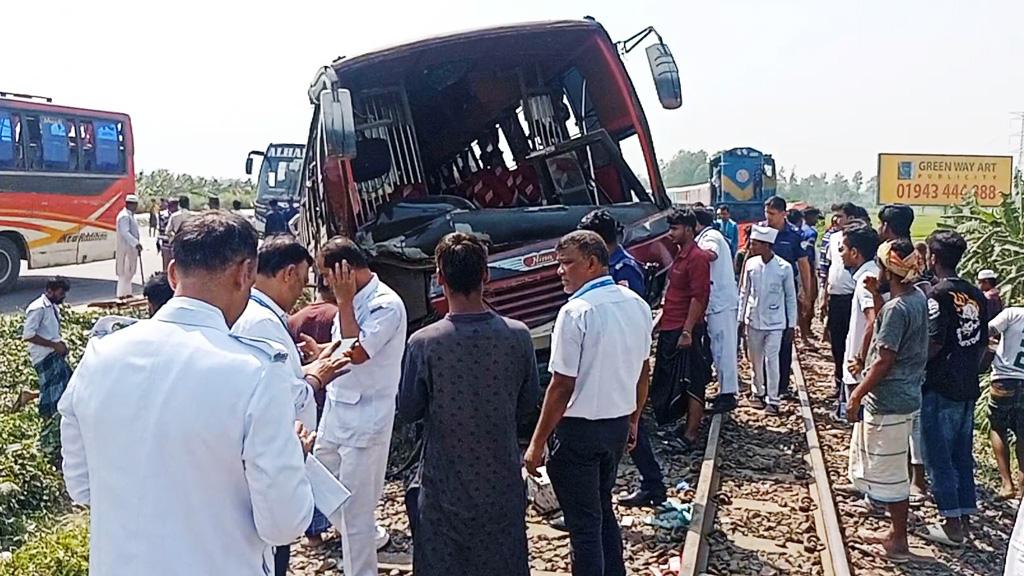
(410, 191)
(527, 185)
(490, 189)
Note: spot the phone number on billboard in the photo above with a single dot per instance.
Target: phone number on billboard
(956, 192)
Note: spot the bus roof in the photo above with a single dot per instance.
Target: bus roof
(40, 106)
(541, 32)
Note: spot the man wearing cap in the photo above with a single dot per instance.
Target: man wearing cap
(128, 247)
(768, 310)
(987, 280)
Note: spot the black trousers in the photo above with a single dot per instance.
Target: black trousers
(839, 308)
(584, 458)
(281, 556)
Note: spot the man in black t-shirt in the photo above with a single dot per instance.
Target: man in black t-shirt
(957, 329)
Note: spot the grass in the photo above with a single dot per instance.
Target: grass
(924, 224)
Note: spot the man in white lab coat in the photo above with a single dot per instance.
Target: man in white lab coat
(355, 428)
(768, 309)
(128, 247)
(282, 271)
(178, 434)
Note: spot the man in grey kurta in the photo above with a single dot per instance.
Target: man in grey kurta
(470, 378)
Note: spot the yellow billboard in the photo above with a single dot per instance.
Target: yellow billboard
(941, 180)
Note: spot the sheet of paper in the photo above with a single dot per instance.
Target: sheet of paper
(329, 494)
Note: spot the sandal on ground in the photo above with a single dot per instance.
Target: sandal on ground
(936, 533)
(879, 551)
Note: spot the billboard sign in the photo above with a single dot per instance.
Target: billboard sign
(942, 180)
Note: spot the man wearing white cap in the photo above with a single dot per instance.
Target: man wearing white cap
(987, 280)
(767, 310)
(128, 248)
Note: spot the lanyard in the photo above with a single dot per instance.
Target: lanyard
(606, 281)
(260, 301)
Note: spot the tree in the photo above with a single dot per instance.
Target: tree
(686, 168)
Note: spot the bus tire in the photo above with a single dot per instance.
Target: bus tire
(10, 264)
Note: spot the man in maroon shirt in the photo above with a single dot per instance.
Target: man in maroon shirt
(316, 319)
(682, 367)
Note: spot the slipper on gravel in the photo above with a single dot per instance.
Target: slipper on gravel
(879, 551)
(936, 533)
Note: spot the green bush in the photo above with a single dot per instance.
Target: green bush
(59, 551)
(30, 487)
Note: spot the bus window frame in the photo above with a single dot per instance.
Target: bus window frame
(20, 121)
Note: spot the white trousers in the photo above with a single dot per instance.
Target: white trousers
(125, 264)
(722, 330)
(764, 346)
(361, 470)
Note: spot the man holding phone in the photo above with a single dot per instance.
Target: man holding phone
(355, 430)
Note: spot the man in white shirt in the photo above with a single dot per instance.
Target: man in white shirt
(46, 349)
(721, 312)
(178, 218)
(1006, 398)
(282, 271)
(838, 295)
(600, 372)
(355, 429)
(128, 247)
(860, 244)
(189, 467)
(769, 309)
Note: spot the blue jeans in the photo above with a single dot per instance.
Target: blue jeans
(947, 434)
(646, 463)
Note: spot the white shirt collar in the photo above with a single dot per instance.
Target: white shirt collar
(590, 285)
(192, 312)
(269, 302)
(364, 295)
(866, 267)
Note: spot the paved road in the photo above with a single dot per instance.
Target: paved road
(89, 282)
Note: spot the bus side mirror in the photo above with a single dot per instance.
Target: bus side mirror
(337, 123)
(248, 166)
(666, 76)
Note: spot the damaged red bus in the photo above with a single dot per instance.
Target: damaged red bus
(511, 133)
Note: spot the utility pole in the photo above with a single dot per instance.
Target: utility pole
(1016, 183)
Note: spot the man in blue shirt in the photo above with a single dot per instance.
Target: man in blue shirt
(627, 271)
(728, 228)
(276, 222)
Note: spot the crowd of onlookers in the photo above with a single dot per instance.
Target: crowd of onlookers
(197, 426)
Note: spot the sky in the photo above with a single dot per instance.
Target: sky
(822, 85)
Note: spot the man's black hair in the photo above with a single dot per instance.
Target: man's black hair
(682, 217)
(849, 208)
(902, 246)
(462, 259)
(776, 203)
(212, 241)
(58, 283)
(158, 290)
(236, 204)
(588, 243)
(724, 207)
(279, 252)
(704, 217)
(795, 217)
(340, 248)
(948, 247)
(898, 218)
(273, 203)
(862, 238)
(812, 212)
(183, 202)
(602, 223)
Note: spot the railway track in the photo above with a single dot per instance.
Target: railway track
(763, 503)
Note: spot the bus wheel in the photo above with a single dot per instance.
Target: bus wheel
(10, 264)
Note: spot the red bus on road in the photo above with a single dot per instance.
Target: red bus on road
(63, 172)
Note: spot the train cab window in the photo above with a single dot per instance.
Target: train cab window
(8, 151)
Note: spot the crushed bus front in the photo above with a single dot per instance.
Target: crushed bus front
(512, 134)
